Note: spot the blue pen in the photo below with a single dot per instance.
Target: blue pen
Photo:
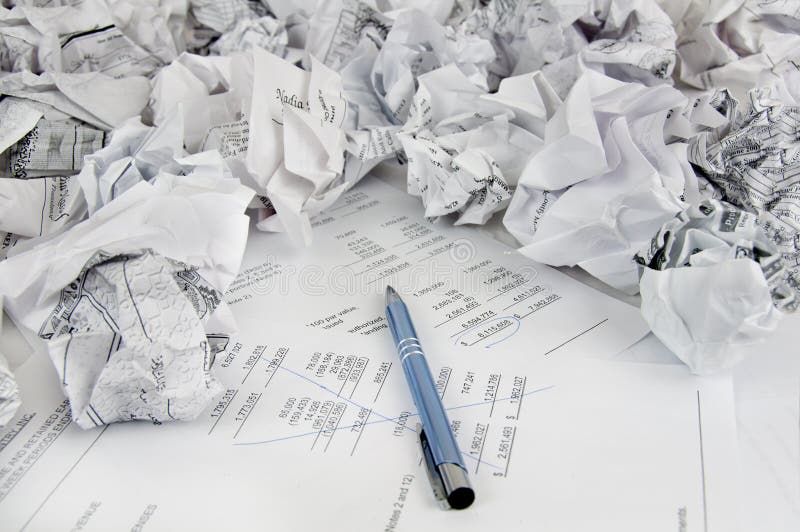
(446, 469)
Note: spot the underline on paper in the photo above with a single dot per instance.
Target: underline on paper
(494, 397)
(247, 416)
(510, 450)
(457, 316)
(577, 336)
(702, 462)
(356, 262)
(385, 378)
(540, 307)
(345, 205)
(461, 332)
(430, 243)
(358, 381)
(362, 259)
(271, 362)
(525, 298)
(223, 411)
(519, 405)
(389, 274)
(254, 365)
(510, 288)
(360, 432)
(414, 239)
(366, 270)
(436, 254)
(483, 446)
(482, 338)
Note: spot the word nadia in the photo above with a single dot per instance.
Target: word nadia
(292, 100)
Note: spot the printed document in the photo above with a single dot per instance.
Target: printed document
(316, 429)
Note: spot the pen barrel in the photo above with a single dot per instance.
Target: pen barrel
(444, 448)
(431, 412)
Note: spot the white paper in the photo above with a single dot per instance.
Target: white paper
(627, 40)
(747, 158)
(38, 193)
(223, 15)
(577, 442)
(464, 154)
(554, 430)
(212, 91)
(91, 97)
(121, 40)
(467, 285)
(19, 41)
(16, 119)
(337, 27)
(9, 391)
(40, 206)
(135, 153)
(603, 183)
(739, 311)
(7, 241)
(417, 44)
(52, 148)
(718, 254)
(123, 298)
(366, 102)
(219, 103)
(298, 125)
(738, 45)
(265, 33)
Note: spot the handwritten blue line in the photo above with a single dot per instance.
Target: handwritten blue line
(312, 381)
(384, 419)
(484, 324)
(391, 420)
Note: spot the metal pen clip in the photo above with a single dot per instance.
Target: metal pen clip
(450, 484)
(434, 477)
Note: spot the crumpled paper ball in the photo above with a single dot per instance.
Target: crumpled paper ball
(603, 182)
(129, 330)
(130, 301)
(464, 153)
(711, 283)
(737, 45)
(752, 160)
(622, 39)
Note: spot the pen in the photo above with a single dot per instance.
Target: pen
(446, 469)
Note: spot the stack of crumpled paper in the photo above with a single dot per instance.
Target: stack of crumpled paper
(620, 136)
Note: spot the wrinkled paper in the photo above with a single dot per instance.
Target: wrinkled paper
(603, 183)
(711, 283)
(125, 299)
(9, 393)
(752, 158)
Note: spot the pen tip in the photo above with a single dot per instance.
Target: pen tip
(391, 295)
